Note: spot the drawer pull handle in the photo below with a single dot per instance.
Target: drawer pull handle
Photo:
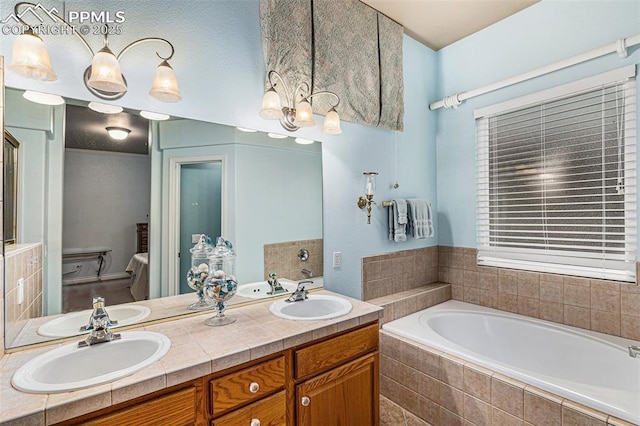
(253, 388)
(255, 422)
(305, 401)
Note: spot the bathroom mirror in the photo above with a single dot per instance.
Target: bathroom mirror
(270, 196)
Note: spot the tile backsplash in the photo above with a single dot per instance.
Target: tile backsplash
(392, 273)
(282, 258)
(25, 262)
(609, 307)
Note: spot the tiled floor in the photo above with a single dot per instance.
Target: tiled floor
(394, 415)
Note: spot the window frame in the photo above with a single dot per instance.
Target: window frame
(490, 254)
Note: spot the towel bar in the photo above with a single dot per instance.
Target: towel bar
(387, 203)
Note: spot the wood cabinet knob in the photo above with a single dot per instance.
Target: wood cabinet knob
(253, 388)
(255, 422)
(305, 401)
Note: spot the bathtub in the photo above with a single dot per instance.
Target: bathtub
(590, 368)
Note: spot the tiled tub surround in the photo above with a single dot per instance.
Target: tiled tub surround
(283, 259)
(591, 368)
(197, 350)
(445, 390)
(608, 307)
(24, 261)
(393, 273)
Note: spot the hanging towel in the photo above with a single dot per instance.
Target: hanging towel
(420, 219)
(398, 221)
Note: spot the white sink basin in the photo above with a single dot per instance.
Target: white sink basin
(261, 289)
(69, 324)
(68, 368)
(316, 307)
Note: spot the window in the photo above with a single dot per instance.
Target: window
(557, 180)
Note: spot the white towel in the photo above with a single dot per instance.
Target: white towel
(398, 229)
(420, 219)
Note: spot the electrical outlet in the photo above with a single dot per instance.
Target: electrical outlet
(195, 238)
(337, 259)
(20, 291)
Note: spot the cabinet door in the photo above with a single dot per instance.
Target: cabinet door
(347, 395)
(175, 409)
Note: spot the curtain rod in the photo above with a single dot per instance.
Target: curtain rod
(619, 46)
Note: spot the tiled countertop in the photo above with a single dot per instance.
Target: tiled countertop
(196, 350)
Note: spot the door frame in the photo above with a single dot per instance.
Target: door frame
(175, 163)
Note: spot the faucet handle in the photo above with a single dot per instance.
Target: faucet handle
(273, 274)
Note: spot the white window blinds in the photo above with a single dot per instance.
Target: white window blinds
(557, 180)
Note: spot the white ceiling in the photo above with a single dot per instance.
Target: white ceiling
(438, 23)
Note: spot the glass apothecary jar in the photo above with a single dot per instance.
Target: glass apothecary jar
(221, 284)
(198, 273)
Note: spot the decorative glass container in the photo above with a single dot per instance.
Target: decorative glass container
(199, 272)
(221, 284)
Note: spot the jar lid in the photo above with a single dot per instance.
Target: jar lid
(222, 250)
(202, 248)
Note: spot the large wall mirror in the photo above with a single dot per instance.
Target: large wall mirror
(97, 215)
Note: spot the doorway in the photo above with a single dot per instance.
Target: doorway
(200, 210)
(196, 203)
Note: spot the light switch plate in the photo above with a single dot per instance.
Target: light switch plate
(20, 291)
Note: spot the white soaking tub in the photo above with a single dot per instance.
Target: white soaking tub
(591, 368)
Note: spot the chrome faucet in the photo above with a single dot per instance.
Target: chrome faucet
(275, 285)
(300, 294)
(634, 351)
(99, 323)
(307, 273)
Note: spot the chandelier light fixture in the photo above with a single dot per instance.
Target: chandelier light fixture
(103, 77)
(296, 114)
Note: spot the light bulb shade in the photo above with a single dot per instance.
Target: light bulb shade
(331, 123)
(304, 114)
(271, 105)
(165, 84)
(30, 58)
(118, 133)
(370, 183)
(105, 73)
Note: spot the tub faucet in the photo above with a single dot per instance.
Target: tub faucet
(634, 351)
(275, 285)
(307, 273)
(99, 324)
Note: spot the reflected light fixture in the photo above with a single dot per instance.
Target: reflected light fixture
(118, 133)
(276, 136)
(246, 130)
(103, 77)
(296, 114)
(303, 141)
(369, 191)
(155, 115)
(43, 98)
(105, 108)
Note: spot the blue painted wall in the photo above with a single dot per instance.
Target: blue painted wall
(219, 64)
(542, 34)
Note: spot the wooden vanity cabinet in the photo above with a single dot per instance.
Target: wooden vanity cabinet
(176, 406)
(330, 381)
(337, 380)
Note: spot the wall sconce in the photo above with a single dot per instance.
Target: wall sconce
(369, 191)
(103, 77)
(297, 114)
(118, 133)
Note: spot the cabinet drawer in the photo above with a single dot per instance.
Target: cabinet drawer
(332, 352)
(270, 411)
(246, 385)
(177, 408)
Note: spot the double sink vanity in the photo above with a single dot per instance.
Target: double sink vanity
(279, 363)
